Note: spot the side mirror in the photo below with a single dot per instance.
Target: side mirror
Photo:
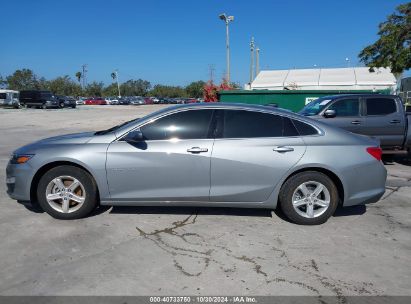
(134, 137)
(330, 114)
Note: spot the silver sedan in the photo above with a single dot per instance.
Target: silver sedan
(230, 155)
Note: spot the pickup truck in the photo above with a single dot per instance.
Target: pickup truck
(375, 115)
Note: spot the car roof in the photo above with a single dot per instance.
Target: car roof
(358, 95)
(223, 105)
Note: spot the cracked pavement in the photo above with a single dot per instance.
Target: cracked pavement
(362, 250)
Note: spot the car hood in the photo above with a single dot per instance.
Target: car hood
(75, 138)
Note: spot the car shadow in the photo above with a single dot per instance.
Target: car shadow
(406, 161)
(191, 210)
(35, 208)
(351, 210)
(340, 211)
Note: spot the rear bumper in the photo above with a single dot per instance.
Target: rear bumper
(365, 184)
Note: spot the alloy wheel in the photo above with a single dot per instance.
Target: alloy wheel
(65, 194)
(311, 199)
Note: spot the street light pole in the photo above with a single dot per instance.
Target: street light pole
(227, 20)
(257, 61)
(252, 60)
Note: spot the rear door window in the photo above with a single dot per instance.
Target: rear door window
(380, 106)
(250, 124)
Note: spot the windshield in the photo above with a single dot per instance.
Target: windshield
(112, 129)
(315, 106)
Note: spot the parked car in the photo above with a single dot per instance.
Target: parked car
(80, 100)
(111, 100)
(137, 101)
(66, 101)
(41, 99)
(190, 100)
(148, 100)
(95, 101)
(9, 98)
(374, 115)
(123, 101)
(209, 154)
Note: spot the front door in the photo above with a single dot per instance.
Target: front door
(171, 164)
(348, 115)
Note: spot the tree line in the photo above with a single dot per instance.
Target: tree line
(26, 79)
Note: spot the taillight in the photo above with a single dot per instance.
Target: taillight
(375, 152)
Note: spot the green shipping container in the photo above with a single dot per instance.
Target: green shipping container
(293, 100)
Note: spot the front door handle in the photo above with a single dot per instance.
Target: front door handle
(282, 149)
(395, 121)
(197, 150)
(356, 122)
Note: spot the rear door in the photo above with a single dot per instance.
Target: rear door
(384, 121)
(348, 114)
(252, 152)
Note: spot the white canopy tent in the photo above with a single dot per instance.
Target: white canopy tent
(358, 78)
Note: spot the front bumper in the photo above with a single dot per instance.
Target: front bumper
(18, 180)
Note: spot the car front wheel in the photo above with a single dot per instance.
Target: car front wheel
(309, 198)
(67, 192)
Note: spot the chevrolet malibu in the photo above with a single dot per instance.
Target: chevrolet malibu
(229, 155)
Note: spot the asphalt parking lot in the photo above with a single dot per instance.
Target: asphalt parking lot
(362, 250)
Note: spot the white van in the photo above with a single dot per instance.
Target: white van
(9, 98)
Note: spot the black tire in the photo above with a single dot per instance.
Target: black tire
(44, 106)
(73, 106)
(90, 202)
(61, 105)
(287, 191)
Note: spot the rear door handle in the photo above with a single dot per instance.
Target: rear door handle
(197, 150)
(395, 121)
(282, 149)
(356, 122)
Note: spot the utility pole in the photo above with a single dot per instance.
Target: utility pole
(252, 60)
(84, 68)
(227, 20)
(211, 71)
(118, 83)
(257, 61)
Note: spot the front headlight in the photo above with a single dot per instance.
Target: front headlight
(20, 158)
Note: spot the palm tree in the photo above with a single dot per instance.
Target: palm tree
(78, 76)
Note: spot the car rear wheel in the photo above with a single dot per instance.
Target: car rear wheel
(61, 105)
(309, 198)
(67, 192)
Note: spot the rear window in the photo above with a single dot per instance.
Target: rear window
(381, 106)
(305, 129)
